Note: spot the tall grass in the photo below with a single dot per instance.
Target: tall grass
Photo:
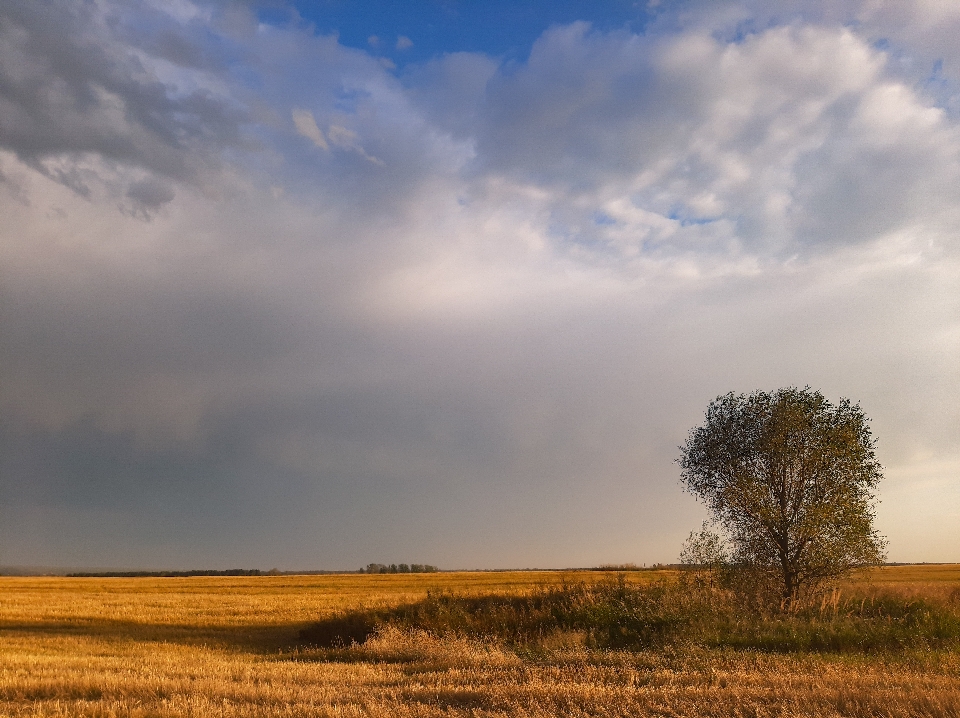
(620, 615)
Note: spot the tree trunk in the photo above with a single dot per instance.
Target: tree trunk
(789, 588)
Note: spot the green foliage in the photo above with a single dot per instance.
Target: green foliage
(864, 623)
(704, 550)
(610, 614)
(619, 615)
(789, 480)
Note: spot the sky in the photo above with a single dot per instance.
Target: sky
(315, 285)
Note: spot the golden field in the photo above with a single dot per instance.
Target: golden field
(223, 646)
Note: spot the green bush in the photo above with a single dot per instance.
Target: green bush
(619, 615)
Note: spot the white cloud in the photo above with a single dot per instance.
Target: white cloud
(918, 35)
(761, 134)
(349, 140)
(307, 126)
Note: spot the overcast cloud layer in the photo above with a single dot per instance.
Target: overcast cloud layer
(267, 300)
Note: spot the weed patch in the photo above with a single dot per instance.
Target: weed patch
(620, 615)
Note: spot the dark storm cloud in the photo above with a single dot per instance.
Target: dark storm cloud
(150, 194)
(69, 90)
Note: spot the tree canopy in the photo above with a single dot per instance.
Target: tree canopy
(789, 478)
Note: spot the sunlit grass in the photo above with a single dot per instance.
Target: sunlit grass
(228, 647)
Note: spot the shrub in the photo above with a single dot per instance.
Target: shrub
(618, 615)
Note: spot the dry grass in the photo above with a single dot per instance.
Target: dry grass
(226, 647)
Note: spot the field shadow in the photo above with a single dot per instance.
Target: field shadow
(339, 631)
(253, 638)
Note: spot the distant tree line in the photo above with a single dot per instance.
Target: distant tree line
(620, 567)
(167, 574)
(399, 568)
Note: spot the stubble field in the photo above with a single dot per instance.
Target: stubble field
(228, 647)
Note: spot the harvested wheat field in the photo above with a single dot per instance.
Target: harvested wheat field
(230, 647)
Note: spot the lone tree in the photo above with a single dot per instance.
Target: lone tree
(789, 479)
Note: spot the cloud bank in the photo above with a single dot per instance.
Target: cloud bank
(266, 301)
